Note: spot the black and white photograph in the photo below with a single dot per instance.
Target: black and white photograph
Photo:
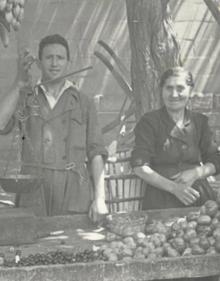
(109, 140)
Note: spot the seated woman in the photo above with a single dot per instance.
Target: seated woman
(174, 152)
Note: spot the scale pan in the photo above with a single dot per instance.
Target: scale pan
(19, 183)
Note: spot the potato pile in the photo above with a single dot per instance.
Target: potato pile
(196, 234)
(11, 16)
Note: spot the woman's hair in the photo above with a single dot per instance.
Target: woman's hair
(53, 39)
(175, 72)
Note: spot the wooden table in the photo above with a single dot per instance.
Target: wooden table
(193, 266)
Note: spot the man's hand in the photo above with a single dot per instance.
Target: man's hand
(24, 63)
(98, 210)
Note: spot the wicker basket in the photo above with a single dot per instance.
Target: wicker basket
(126, 224)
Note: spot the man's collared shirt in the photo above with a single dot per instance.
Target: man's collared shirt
(53, 100)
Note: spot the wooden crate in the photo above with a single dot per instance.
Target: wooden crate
(124, 190)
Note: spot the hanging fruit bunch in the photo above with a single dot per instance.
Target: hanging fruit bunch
(11, 16)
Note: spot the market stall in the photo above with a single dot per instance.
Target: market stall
(76, 234)
(122, 248)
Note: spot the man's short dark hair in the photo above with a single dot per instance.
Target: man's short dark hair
(53, 39)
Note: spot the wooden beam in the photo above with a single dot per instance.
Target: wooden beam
(214, 9)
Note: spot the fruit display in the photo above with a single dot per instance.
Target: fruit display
(198, 233)
(55, 257)
(137, 236)
(11, 16)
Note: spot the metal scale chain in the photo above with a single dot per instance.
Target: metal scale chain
(15, 145)
(17, 139)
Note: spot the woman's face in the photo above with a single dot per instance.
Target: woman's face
(176, 93)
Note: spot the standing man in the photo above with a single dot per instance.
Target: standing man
(61, 139)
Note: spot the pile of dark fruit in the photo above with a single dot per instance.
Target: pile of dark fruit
(198, 233)
(56, 257)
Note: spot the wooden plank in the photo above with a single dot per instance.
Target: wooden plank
(17, 226)
(47, 224)
(214, 9)
(196, 266)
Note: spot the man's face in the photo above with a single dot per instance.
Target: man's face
(53, 62)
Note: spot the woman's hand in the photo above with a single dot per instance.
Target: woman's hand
(185, 193)
(186, 177)
(98, 210)
(183, 190)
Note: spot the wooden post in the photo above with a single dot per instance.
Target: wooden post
(154, 48)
